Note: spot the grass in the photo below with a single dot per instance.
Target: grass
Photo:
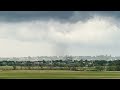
(56, 74)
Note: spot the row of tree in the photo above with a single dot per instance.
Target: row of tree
(69, 64)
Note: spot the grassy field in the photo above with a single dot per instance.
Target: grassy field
(56, 74)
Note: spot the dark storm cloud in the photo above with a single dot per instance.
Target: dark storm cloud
(70, 16)
(29, 15)
(43, 33)
(85, 15)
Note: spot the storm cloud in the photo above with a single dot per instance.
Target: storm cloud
(80, 33)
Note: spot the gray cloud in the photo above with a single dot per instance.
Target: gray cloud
(14, 16)
(81, 33)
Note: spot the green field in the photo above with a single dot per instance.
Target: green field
(56, 74)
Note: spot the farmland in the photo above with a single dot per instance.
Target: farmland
(60, 69)
(57, 74)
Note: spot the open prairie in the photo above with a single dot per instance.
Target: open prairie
(57, 74)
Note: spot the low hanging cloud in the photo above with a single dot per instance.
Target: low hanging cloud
(53, 37)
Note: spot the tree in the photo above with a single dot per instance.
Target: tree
(117, 68)
(0, 63)
(40, 65)
(28, 65)
(21, 64)
(99, 68)
(74, 68)
(111, 68)
(14, 65)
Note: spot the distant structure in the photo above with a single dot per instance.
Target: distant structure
(67, 57)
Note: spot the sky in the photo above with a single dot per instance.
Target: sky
(51, 33)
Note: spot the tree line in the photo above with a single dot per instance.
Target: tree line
(69, 64)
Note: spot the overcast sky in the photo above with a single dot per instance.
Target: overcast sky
(50, 33)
